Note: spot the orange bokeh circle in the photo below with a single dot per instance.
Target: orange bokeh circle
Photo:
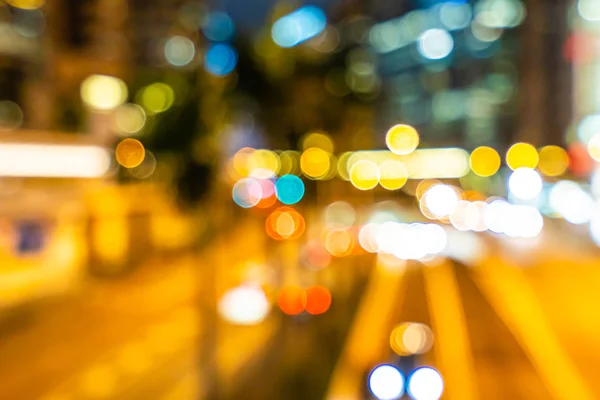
(292, 300)
(285, 216)
(318, 300)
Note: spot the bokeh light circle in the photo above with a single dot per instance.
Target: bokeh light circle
(156, 98)
(435, 44)
(386, 382)
(484, 161)
(11, 116)
(103, 92)
(27, 4)
(263, 164)
(594, 147)
(554, 161)
(244, 305)
(315, 256)
(315, 163)
(179, 51)
(402, 139)
(411, 338)
(318, 140)
(339, 242)
(146, 168)
(291, 300)
(340, 214)
(129, 119)
(441, 200)
(318, 300)
(247, 192)
(364, 175)
(525, 183)
(290, 189)
(367, 237)
(522, 155)
(285, 223)
(220, 59)
(218, 27)
(130, 153)
(269, 193)
(425, 383)
(392, 174)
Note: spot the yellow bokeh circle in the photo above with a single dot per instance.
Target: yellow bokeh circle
(102, 92)
(484, 161)
(130, 153)
(402, 139)
(129, 119)
(27, 4)
(289, 161)
(263, 164)
(156, 98)
(342, 166)
(318, 140)
(392, 174)
(364, 175)
(315, 163)
(522, 155)
(241, 161)
(554, 161)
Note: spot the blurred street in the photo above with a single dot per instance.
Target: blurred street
(299, 200)
(517, 315)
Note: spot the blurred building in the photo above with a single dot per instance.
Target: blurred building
(546, 74)
(475, 73)
(48, 49)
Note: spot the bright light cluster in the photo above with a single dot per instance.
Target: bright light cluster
(386, 382)
(573, 203)
(411, 338)
(525, 183)
(366, 169)
(499, 216)
(244, 305)
(425, 383)
(285, 223)
(263, 193)
(298, 26)
(293, 300)
(53, 161)
(429, 28)
(103, 93)
(404, 241)
(439, 201)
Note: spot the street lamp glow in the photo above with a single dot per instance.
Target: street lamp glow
(425, 384)
(574, 204)
(103, 92)
(244, 305)
(53, 161)
(386, 382)
(298, 26)
(435, 44)
(441, 200)
(179, 51)
(525, 184)
(589, 10)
